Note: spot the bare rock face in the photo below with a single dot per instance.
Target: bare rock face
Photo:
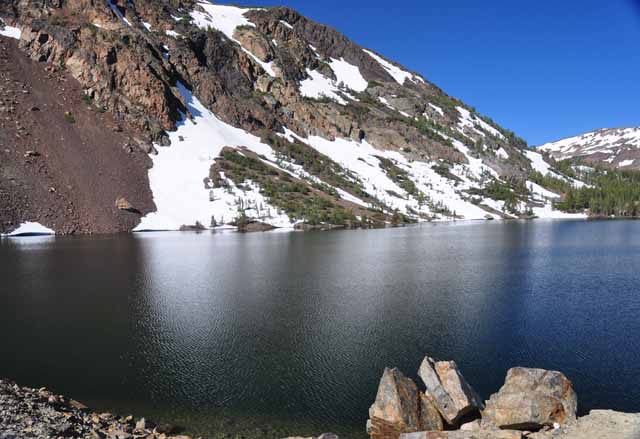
(459, 434)
(430, 418)
(254, 42)
(396, 409)
(449, 391)
(531, 399)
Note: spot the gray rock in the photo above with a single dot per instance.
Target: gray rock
(449, 391)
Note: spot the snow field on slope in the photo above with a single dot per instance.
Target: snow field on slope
(178, 178)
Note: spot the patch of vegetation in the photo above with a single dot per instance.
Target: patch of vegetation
(69, 117)
(550, 182)
(444, 170)
(512, 192)
(398, 175)
(318, 165)
(296, 198)
(610, 193)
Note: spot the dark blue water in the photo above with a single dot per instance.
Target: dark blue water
(288, 333)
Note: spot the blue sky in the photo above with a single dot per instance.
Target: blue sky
(544, 69)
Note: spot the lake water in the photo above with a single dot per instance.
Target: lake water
(266, 335)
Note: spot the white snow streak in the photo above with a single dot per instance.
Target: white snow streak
(11, 32)
(396, 72)
(31, 228)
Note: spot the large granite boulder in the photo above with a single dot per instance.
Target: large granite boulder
(451, 394)
(400, 408)
(460, 434)
(396, 409)
(531, 399)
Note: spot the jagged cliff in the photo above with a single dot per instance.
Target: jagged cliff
(254, 115)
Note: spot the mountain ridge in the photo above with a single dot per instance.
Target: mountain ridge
(613, 147)
(262, 115)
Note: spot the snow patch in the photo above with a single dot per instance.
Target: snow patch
(624, 163)
(437, 109)
(396, 72)
(348, 74)
(318, 86)
(173, 33)
(147, 25)
(11, 32)
(31, 228)
(502, 153)
(286, 24)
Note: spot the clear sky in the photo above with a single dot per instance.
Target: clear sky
(546, 69)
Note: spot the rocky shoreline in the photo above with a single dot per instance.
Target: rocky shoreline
(532, 404)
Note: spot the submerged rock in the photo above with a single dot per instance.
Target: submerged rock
(451, 394)
(531, 399)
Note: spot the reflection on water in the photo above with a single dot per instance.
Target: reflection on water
(293, 329)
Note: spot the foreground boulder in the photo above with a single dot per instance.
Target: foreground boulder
(400, 408)
(451, 394)
(531, 399)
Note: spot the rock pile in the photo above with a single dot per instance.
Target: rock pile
(532, 403)
(38, 413)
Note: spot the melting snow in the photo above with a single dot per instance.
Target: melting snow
(147, 25)
(286, 24)
(172, 33)
(348, 74)
(31, 228)
(473, 122)
(625, 163)
(11, 32)
(437, 109)
(178, 175)
(502, 153)
(396, 72)
(318, 86)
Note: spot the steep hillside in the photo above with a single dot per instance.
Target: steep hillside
(615, 147)
(264, 116)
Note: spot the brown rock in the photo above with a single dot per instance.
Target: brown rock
(531, 399)
(448, 390)
(396, 408)
(430, 418)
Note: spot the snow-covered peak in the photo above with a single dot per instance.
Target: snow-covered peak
(617, 146)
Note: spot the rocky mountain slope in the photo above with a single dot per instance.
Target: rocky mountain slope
(614, 147)
(248, 116)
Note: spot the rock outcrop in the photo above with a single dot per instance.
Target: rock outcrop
(446, 387)
(532, 404)
(531, 399)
